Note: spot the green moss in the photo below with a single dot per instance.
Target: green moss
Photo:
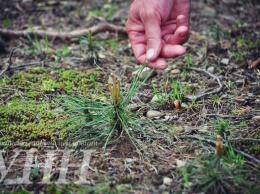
(39, 70)
(38, 80)
(21, 123)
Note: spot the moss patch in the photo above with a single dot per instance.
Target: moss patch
(27, 115)
(22, 123)
(39, 81)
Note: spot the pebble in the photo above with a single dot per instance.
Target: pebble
(145, 72)
(167, 70)
(157, 98)
(167, 181)
(250, 95)
(129, 160)
(168, 117)
(175, 71)
(211, 69)
(153, 113)
(101, 55)
(256, 117)
(174, 67)
(133, 107)
(32, 150)
(191, 97)
(208, 11)
(224, 61)
(180, 163)
(184, 105)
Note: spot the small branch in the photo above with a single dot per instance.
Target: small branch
(211, 75)
(9, 61)
(222, 116)
(101, 27)
(12, 89)
(244, 139)
(38, 63)
(213, 143)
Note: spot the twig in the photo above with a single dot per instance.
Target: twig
(101, 27)
(38, 63)
(10, 60)
(12, 89)
(213, 143)
(222, 116)
(244, 139)
(211, 75)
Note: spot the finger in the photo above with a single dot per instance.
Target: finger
(180, 36)
(138, 43)
(169, 28)
(171, 51)
(182, 21)
(153, 35)
(159, 63)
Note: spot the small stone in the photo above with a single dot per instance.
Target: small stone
(129, 160)
(191, 97)
(157, 98)
(133, 107)
(167, 70)
(145, 72)
(101, 55)
(175, 71)
(174, 67)
(250, 95)
(208, 12)
(256, 118)
(180, 163)
(224, 61)
(167, 181)
(153, 113)
(184, 105)
(168, 117)
(33, 150)
(211, 69)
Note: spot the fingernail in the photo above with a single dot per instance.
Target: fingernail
(149, 53)
(182, 20)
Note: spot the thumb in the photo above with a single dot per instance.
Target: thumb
(153, 37)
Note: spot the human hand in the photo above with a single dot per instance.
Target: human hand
(157, 28)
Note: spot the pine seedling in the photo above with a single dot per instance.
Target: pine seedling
(92, 47)
(97, 121)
